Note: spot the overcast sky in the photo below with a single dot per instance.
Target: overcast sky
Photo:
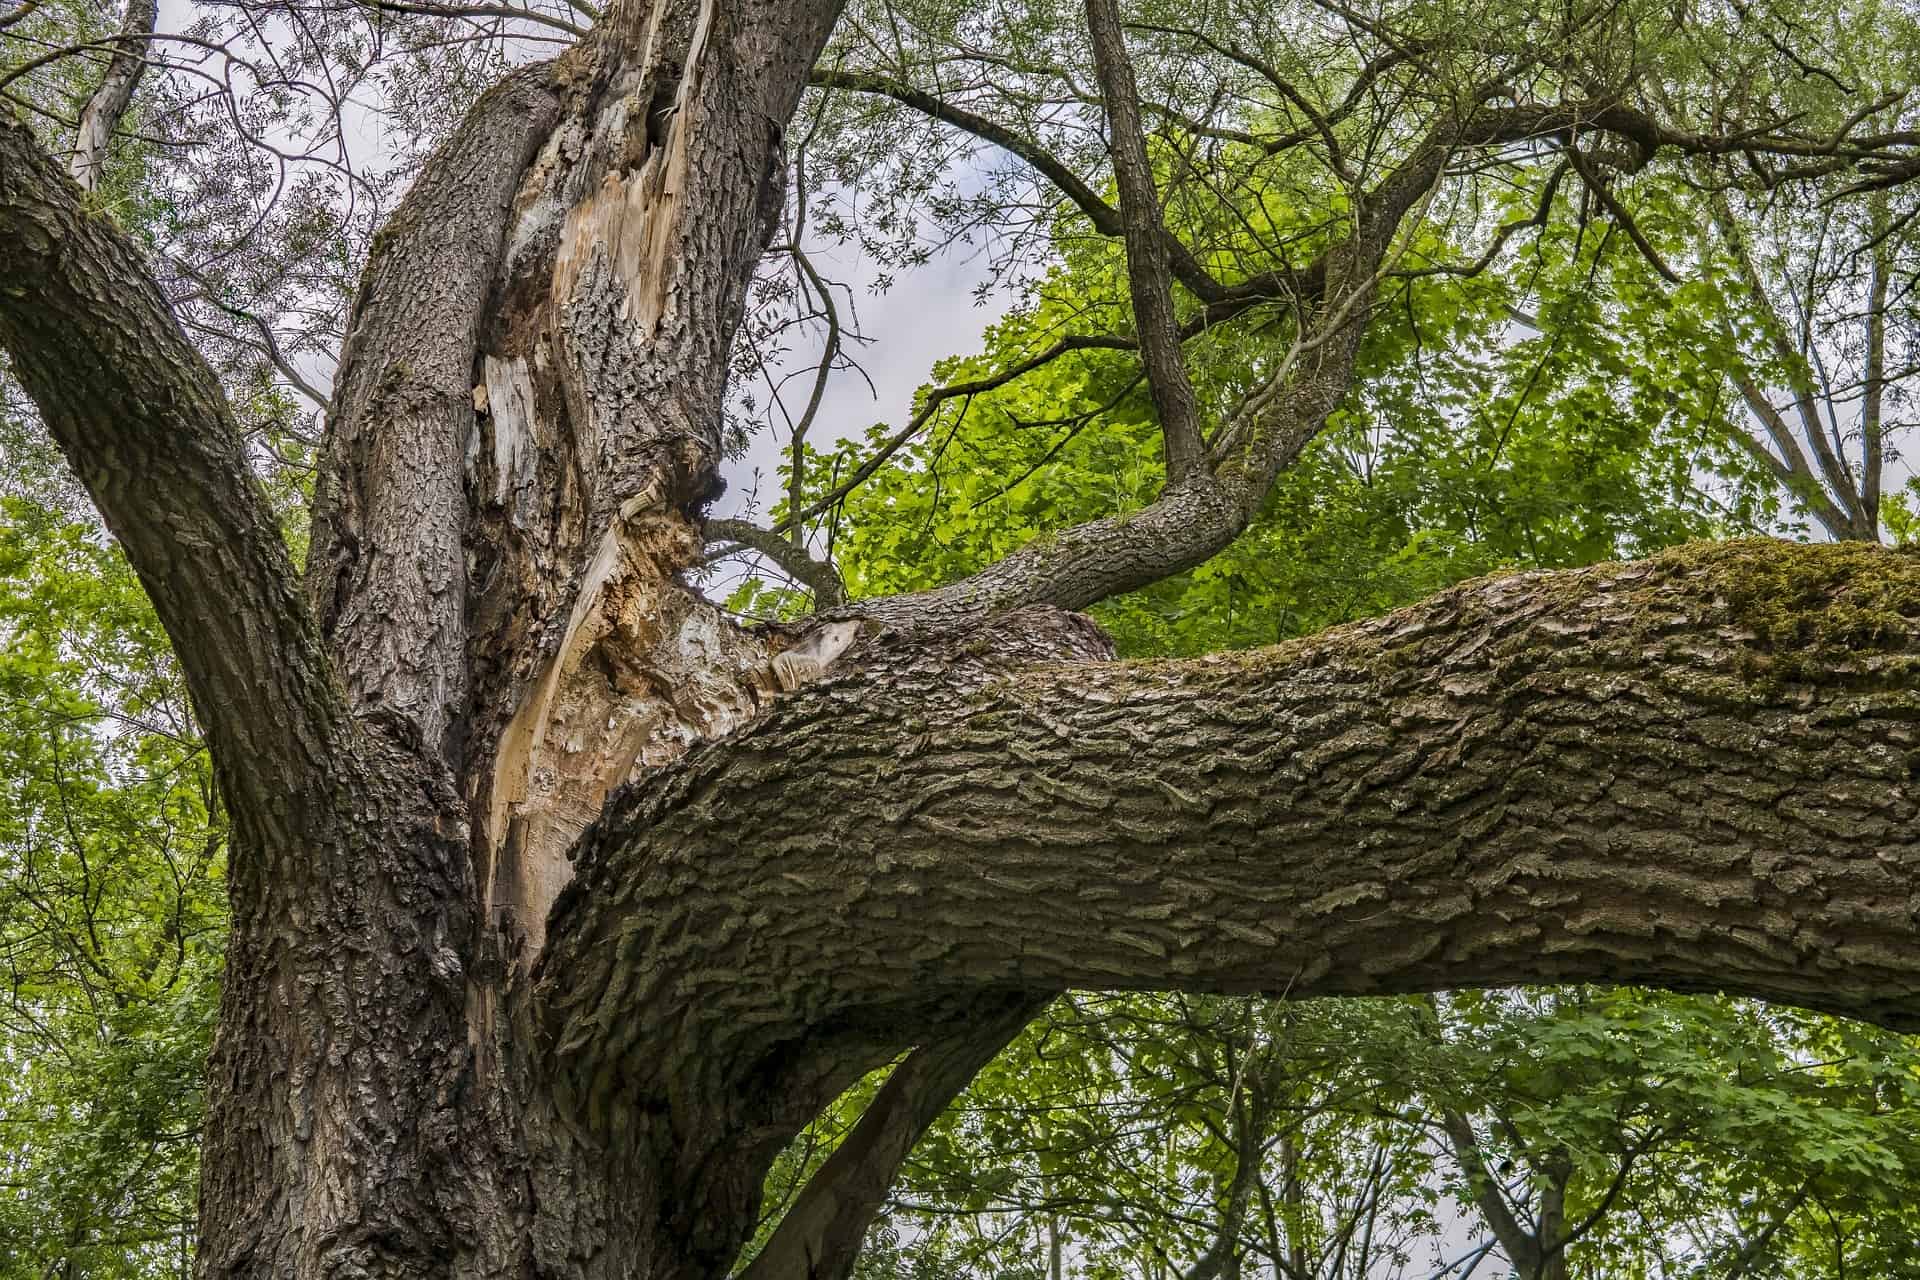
(928, 314)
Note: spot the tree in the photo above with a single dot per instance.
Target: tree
(1604, 1132)
(560, 903)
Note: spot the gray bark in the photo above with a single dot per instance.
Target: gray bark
(387, 567)
(1149, 276)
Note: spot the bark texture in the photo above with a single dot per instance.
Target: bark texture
(1694, 772)
(387, 570)
(146, 427)
(600, 373)
(108, 104)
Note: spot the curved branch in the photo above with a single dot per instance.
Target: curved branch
(1591, 177)
(460, 9)
(1107, 220)
(266, 341)
(1193, 521)
(1522, 1247)
(817, 576)
(1695, 772)
(143, 422)
(820, 1236)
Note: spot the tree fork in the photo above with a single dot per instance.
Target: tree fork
(1696, 771)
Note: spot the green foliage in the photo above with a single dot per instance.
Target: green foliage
(112, 917)
(1473, 444)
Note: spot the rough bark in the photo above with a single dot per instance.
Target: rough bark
(601, 371)
(1691, 772)
(146, 427)
(387, 570)
(336, 1076)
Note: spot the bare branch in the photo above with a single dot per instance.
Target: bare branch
(109, 102)
(1596, 182)
(830, 352)
(1107, 220)
(462, 10)
(818, 576)
(932, 401)
(1838, 488)
(1148, 280)
(265, 340)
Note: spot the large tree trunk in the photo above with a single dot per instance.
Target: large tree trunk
(525, 423)
(443, 1053)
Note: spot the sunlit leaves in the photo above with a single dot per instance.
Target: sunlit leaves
(112, 919)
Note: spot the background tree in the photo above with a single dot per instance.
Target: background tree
(111, 922)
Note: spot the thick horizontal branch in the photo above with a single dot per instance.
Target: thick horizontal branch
(1694, 772)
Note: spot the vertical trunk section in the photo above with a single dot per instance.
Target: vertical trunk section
(526, 423)
(600, 377)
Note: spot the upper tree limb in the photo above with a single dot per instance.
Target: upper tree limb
(1149, 282)
(109, 103)
(144, 423)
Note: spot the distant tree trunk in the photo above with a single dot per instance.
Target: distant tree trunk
(559, 905)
